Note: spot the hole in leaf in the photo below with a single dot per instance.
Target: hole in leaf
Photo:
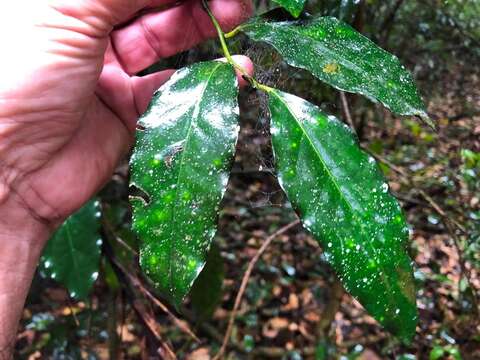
(139, 194)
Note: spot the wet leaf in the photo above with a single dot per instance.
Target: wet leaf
(337, 54)
(343, 200)
(206, 292)
(294, 7)
(72, 255)
(180, 166)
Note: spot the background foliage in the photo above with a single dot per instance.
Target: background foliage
(294, 307)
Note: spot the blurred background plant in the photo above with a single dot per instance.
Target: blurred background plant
(294, 307)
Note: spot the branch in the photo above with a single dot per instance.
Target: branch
(346, 110)
(145, 316)
(387, 24)
(136, 283)
(246, 278)
(148, 319)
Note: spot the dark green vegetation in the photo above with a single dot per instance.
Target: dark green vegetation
(344, 202)
(294, 7)
(73, 254)
(293, 306)
(181, 163)
(189, 134)
(337, 54)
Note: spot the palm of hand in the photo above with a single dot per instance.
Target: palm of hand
(63, 134)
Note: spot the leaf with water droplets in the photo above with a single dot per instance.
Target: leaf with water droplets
(180, 168)
(206, 292)
(72, 255)
(343, 200)
(337, 54)
(294, 7)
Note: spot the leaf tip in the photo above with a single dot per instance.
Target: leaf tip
(428, 121)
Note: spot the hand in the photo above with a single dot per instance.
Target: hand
(69, 96)
(69, 103)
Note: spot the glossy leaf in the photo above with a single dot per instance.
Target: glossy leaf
(343, 200)
(72, 255)
(294, 7)
(206, 292)
(181, 165)
(337, 54)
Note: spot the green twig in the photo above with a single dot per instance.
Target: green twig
(221, 36)
(234, 32)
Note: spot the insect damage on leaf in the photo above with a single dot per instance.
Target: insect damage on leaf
(340, 56)
(331, 68)
(181, 162)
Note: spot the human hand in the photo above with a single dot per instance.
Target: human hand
(68, 91)
(69, 103)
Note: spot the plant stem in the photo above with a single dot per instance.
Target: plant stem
(234, 32)
(221, 36)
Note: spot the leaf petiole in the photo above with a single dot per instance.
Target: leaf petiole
(221, 36)
(234, 32)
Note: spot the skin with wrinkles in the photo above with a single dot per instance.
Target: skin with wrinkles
(69, 102)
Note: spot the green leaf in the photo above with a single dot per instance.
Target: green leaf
(72, 255)
(343, 200)
(181, 164)
(437, 353)
(337, 54)
(294, 7)
(206, 292)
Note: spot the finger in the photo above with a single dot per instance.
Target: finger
(122, 93)
(155, 36)
(109, 12)
(246, 64)
(103, 15)
(144, 87)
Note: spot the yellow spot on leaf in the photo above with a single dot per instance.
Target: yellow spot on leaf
(331, 68)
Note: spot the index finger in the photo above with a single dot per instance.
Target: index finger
(158, 35)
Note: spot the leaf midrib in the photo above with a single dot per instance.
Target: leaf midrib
(72, 249)
(173, 253)
(305, 134)
(338, 58)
